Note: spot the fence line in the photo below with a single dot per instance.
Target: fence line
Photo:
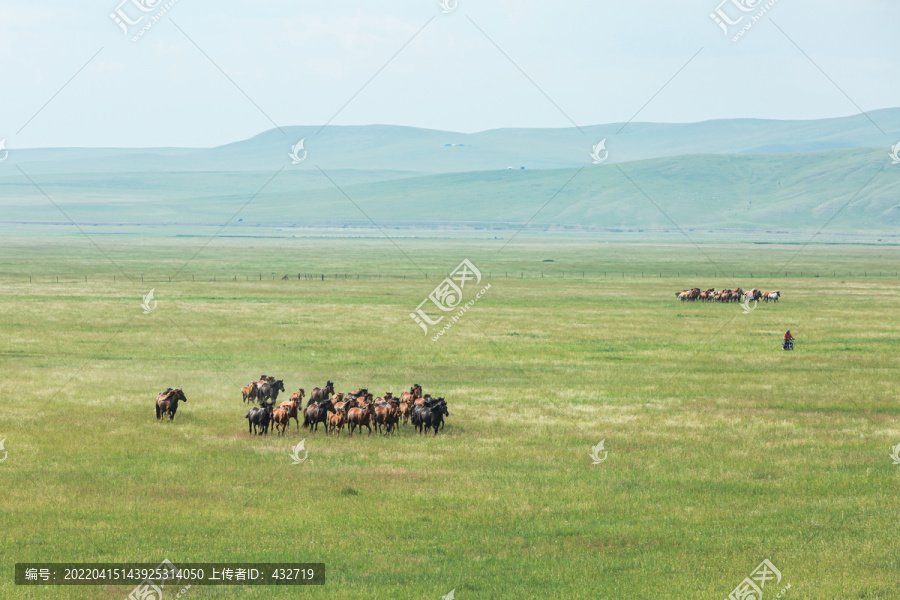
(688, 277)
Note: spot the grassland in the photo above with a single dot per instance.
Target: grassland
(723, 450)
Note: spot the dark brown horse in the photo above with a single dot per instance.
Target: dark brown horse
(318, 394)
(317, 413)
(361, 401)
(268, 390)
(167, 403)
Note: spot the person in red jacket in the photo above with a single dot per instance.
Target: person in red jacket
(788, 343)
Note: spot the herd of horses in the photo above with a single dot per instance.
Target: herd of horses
(738, 295)
(335, 411)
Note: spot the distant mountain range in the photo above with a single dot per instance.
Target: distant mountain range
(734, 173)
(395, 148)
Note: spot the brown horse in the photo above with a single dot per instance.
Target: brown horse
(357, 417)
(362, 401)
(281, 416)
(405, 410)
(387, 413)
(293, 407)
(318, 394)
(392, 421)
(414, 392)
(249, 392)
(336, 421)
(167, 403)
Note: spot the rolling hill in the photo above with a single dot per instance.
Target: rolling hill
(395, 148)
(747, 175)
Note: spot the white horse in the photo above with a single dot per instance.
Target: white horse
(773, 296)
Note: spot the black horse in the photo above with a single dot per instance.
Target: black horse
(269, 391)
(258, 419)
(317, 413)
(430, 415)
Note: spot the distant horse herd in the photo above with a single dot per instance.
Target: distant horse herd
(738, 295)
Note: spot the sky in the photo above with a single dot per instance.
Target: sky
(211, 73)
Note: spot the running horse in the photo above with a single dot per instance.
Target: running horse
(167, 403)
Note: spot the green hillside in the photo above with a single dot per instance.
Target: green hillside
(783, 192)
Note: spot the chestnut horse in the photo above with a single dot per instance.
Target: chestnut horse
(281, 416)
(358, 417)
(249, 392)
(293, 407)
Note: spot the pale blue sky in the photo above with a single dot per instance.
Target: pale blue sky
(300, 61)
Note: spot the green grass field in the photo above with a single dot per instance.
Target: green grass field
(723, 450)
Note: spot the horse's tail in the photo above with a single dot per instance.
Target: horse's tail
(157, 410)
